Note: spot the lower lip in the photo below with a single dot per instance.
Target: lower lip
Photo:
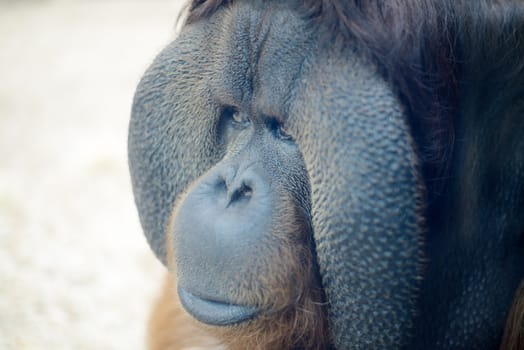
(213, 312)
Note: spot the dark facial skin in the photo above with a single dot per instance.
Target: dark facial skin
(278, 175)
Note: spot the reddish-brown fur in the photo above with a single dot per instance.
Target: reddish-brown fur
(170, 328)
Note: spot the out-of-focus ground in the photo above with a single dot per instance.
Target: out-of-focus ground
(75, 270)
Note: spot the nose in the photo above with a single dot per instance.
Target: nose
(234, 186)
(219, 225)
(238, 184)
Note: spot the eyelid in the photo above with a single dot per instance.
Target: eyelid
(239, 118)
(234, 116)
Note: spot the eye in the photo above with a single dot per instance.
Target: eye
(283, 133)
(279, 130)
(234, 115)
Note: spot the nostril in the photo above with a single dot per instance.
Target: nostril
(244, 192)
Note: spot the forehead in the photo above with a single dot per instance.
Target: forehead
(254, 53)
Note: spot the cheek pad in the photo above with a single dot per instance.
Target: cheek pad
(171, 133)
(366, 198)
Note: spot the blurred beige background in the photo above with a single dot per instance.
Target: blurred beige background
(75, 269)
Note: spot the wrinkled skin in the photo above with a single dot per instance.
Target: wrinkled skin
(275, 171)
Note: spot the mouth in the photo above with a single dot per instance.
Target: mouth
(215, 313)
